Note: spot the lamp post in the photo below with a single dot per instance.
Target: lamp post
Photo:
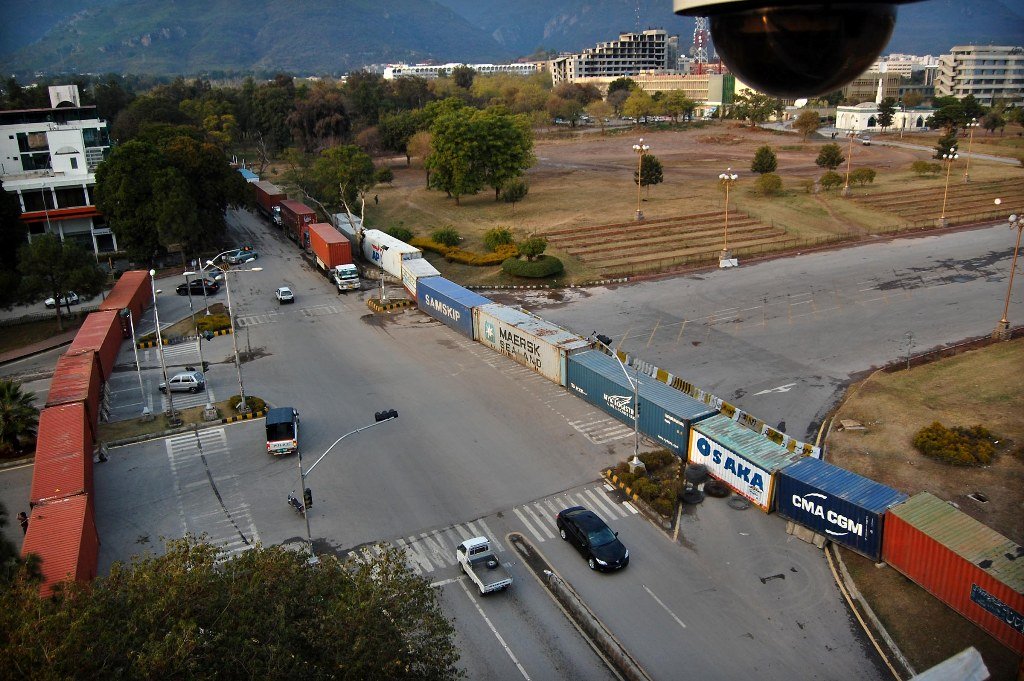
(635, 463)
(1003, 327)
(970, 140)
(172, 418)
(948, 157)
(379, 418)
(640, 149)
(199, 340)
(202, 273)
(849, 160)
(127, 312)
(243, 408)
(728, 178)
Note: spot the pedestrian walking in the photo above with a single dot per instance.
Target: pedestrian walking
(23, 520)
(375, 200)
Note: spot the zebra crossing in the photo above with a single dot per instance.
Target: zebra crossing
(208, 504)
(274, 316)
(428, 552)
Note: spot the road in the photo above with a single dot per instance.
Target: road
(782, 339)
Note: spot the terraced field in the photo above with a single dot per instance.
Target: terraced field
(964, 203)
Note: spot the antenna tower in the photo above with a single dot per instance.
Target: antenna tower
(701, 39)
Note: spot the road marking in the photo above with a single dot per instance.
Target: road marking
(539, 521)
(653, 331)
(526, 522)
(633, 508)
(659, 601)
(780, 389)
(601, 505)
(494, 631)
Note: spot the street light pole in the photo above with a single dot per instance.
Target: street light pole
(1003, 328)
(727, 179)
(970, 140)
(199, 340)
(635, 463)
(172, 418)
(849, 161)
(127, 312)
(640, 150)
(948, 157)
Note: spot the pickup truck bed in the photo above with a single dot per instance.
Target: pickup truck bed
(482, 567)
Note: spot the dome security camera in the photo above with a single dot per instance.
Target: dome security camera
(796, 48)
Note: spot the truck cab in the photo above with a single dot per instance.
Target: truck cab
(346, 277)
(282, 431)
(479, 564)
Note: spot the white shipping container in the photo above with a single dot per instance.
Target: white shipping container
(414, 270)
(387, 252)
(739, 473)
(527, 339)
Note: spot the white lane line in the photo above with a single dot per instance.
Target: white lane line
(672, 614)
(493, 537)
(495, 631)
(445, 582)
(630, 506)
(529, 526)
(603, 505)
(539, 520)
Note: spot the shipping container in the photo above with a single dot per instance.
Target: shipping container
(666, 414)
(296, 217)
(966, 565)
(387, 252)
(414, 270)
(248, 175)
(450, 303)
(63, 460)
(744, 460)
(526, 338)
(63, 534)
(329, 247)
(101, 332)
(268, 200)
(77, 379)
(133, 291)
(844, 507)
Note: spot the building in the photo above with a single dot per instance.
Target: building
(864, 118)
(48, 158)
(990, 73)
(432, 71)
(865, 87)
(630, 55)
(709, 90)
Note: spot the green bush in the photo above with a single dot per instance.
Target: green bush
(543, 266)
(862, 176)
(923, 168)
(213, 322)
(447, 236)
(400, 233)
(831, 180)
(658, 459)
(254, 403)
(808, 185)
(664, 506)
(456, 254)
(957, 445)
(499, 236)
(769, 184)
(384, 175)
(533, 246)
(514, 191)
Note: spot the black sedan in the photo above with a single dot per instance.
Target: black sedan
(195, 287)
(592, 537)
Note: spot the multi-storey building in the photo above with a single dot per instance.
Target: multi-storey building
(627, 56)
(431, 71)
(48, 158)
(990, 73)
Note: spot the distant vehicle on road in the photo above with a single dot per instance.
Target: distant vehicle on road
(197, 286)
(185, 382)
(240, 256)
(592, 537)
(69, 298)
(480, 565)
(284, 295)
(282, 431)
(866, 141)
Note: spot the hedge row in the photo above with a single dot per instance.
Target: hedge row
(542, 266)
(957, 445)
(456, 254)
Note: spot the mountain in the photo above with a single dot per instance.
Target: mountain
(334, 36)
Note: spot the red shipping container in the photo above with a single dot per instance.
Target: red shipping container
(329, 246)
(268, 196)
(63, 534)
(101, 332)
(966, 565)
(63, 461)
(296, 217)
(133, 291)
(77, 379)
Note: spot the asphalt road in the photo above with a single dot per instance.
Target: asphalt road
(782, 339)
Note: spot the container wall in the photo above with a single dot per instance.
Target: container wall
(414, 270)
(133, 291)
(296, 218)
(100, 332)
(526, 338)
(667, 414)
(329, 247)
(449, 303)
(843, 506)
(742, 476)
(77, 379)
(63, 534)
(942, 549)
(63, 461)
(592, 377)
(267, 196)
(387, 252)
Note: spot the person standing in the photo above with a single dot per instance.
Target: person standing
(23, 520)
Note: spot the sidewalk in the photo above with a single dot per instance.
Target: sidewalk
(35, 348)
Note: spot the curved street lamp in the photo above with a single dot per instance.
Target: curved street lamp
(849, 160)
(640, 150)
(1003, 327)
(635, 463)
(970, 140)
(172, 416)
(948, 157)
(728, 178)
(243, 408)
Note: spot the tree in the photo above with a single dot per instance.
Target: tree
(319, 120)
(651, 172)
(148, 109)
(768, 184)
(945, 143)
(396, 129)
(622, 84)
(18, 418)
(532, 247)
(886, 112)
(420, 145)
(342, 174)
(498, 236)
(639, 105)
(271, 105)
(13, 233)
(831, 180)
(830, 156)
(507, 146)
(193, 613)
(764, 161)
(383, 175)
(992, 121)
(463, 76)
(677, 104)
(806, 123)
(513, 192)
(618, 99)
(365, 97)
(948, 117)
(863, 176)
(912, 99)
(754, 107)
(600, 111)
(52, 268)
(454, 163)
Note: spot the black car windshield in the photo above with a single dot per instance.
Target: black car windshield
(600, 537)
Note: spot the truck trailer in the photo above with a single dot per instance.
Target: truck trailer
(296, 217)
(268, 200)
(387, 252)
(329, 247)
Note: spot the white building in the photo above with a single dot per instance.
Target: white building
(431, 71)
(631, 54)
(988, 72)
(864, 118)
(48, 158)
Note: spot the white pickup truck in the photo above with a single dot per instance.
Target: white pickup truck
(345, 277)
(480, 565)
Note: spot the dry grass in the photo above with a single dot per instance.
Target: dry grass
(136, 427)
(15, 336)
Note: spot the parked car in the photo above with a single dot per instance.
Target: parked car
(242, 255)
(592, 537)
(196, 286)
(185, 382)
(866, 141)
(284, 295)
(215, 272)
(70, 298)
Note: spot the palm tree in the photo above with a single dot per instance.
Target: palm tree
(18, 417)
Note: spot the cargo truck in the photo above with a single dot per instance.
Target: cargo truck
(268, 201)
(387, 252)
(329, 247)
(483, 569)
(345, 277)
(296, 217)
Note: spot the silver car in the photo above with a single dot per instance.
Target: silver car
(185, 382)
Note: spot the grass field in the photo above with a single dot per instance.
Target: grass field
(978, 387)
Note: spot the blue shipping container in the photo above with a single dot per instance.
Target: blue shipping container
(248, 175)
(845, 507)
(665, 413)
(449, 303)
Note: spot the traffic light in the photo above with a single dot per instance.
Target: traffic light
(385, 415)
(307, 497)
(603, 339)
(208, 335)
